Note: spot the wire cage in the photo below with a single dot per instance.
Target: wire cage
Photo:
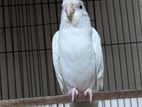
(26, 31)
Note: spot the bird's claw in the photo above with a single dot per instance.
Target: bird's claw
(89, 92)
(73, 93)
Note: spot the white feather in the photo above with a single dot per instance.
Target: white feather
(56, 61)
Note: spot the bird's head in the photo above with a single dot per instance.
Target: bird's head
(73, 12)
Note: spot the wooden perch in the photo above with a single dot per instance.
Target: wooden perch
(66, 99)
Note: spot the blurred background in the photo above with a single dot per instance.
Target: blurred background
(26, 31)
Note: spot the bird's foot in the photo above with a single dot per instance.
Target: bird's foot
(73, 93)
(89, 92)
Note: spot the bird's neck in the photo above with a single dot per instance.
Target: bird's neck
(78, 26)
(80, 33)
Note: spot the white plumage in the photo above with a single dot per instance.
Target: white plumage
(77, 52)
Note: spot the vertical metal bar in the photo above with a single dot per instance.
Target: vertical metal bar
(50, 29)
(117, 42)
(45, 47)
(32, 53)
(5, 46)
(19, 48)
(124, 50)
(104, 47)
(56, 91)
(35, 28)
(56, 8)
(18, 38)
(21, 71)
(138, 55)
(1, 97)
(34, 77)
(104, 53)
(136, 47)
(141, 36)
(140, 15)
(86, 5)
(124, 45)
(130, 48)
(37, 45)
(27, 52)
(28, 49)
(12, 41)
(130, 41)
(111, 42)
(50, 25)
(94, 14)
(111, 47)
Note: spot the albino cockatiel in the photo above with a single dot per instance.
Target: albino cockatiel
(77, 52)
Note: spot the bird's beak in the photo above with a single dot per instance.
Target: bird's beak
(69, 11)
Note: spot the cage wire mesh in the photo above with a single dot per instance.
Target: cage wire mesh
(26, 31)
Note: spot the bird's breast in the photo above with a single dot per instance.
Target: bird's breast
(77, 59)
(74, 41)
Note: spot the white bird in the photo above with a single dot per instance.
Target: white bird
(77, 53)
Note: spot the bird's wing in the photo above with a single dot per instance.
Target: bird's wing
(99, 58)
(56, 61)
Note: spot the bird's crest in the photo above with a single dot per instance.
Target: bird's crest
(71, 1)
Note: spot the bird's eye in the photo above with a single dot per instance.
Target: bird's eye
(80, 6)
